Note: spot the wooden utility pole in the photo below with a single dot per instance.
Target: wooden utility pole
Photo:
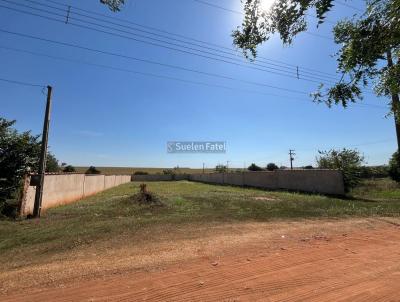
(291, 154)
(203, 168)
(43, 155)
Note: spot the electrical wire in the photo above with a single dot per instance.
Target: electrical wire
(205, 54)
(21, 83)
(161, 76)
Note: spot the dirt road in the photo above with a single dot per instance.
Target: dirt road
(361, 265)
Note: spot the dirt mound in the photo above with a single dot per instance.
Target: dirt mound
(145, 197)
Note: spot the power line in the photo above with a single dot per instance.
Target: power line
(203, 54)
(306, 76)
(349, 6)
(21, 83)
(155, 75)
(241, 13)
(148, 61)
(185, 37)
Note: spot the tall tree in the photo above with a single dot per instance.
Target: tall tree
(369, 45)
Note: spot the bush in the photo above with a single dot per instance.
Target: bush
(92, 170)
(19, 155)
(254, 167)
(140, 173)
(374, 171)
(52, 164)
(272, 167)
(346, 160)
(394, 167)
(220, 168)
(168, 172)
(309, 167)
(69, 169)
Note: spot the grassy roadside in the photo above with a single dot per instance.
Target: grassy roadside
(111, 214)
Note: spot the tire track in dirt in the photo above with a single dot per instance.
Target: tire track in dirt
(361, 266)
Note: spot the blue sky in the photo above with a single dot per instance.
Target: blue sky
(106, 117)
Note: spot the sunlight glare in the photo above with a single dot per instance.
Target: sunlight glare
(266, 4)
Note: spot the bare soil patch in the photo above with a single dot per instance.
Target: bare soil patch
(320, 260)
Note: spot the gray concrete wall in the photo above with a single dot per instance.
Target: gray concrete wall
(61, 189)
(313, 181)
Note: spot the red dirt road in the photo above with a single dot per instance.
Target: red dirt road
(360, 266)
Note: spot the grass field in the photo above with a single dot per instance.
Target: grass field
(111, 214)
(131, 170)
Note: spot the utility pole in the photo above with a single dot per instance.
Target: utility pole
(203, 168)
(43, 155)
(227, 166)
(291, 154)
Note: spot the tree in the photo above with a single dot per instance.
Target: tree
(140, 173)
(19, 153)
(92, 170)
(369, 53)
(220, 168)
(346, 160)
(272, 167)
(69, 169)
(52, 163)
(169, 172)
(394, 167)
(114, 5)
(254, 167)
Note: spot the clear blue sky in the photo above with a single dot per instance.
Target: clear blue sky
(106, 117)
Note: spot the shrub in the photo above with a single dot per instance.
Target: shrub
(19, 154)
(309, 167)
(52, 164)
(220, 168)
(69, 169)
(394, 167)
(168, 172)
(92, 170)
(272, 167)
(254, 167)
(346, 160)
(374, 171)
(140, 173)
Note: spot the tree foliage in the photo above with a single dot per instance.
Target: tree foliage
(346, 160)
(92, 170)
(221, 168)
(19, 155)
(369, 45)
(114, 5)
(254, 167)
(272, 167)
(52, 164)
(69, 169)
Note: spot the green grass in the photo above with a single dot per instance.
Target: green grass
(111, 214)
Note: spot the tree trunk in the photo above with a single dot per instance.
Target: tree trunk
(395, 104)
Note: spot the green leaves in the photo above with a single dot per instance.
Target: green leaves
(114, 5)
(346, 160)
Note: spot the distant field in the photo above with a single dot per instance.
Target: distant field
(131, 170)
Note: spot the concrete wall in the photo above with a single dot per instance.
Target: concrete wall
(313, 181)
(61, 189)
